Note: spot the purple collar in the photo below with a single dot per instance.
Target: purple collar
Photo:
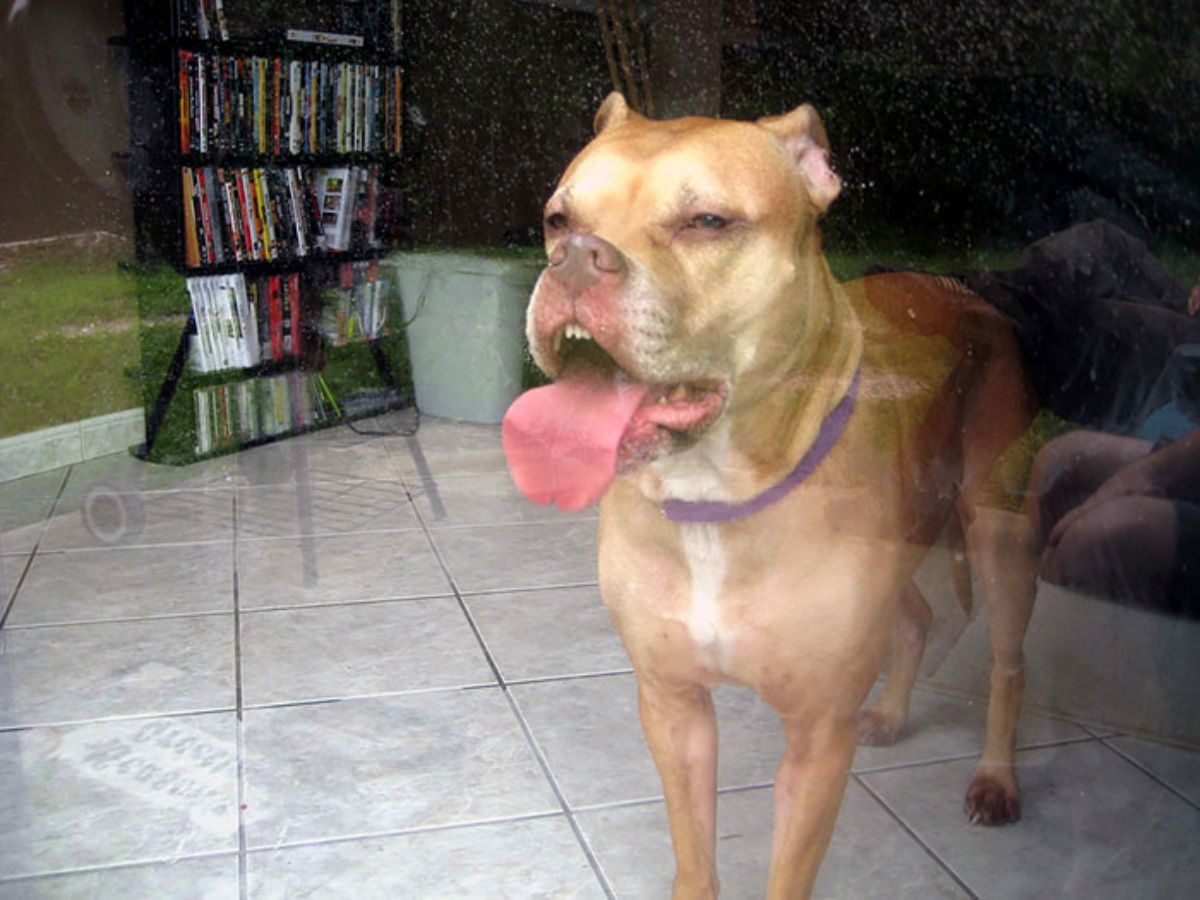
(709, 511)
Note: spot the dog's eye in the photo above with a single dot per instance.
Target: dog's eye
(556, 222)
(708, 222)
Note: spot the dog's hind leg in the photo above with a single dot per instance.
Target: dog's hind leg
(1001, 548)
(880, 724)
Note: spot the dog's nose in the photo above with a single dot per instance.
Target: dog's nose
(580, 260)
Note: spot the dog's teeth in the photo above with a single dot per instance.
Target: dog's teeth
(578, 333)
(571, 332)
(678, 393)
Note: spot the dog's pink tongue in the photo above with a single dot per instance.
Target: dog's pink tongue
(561, 440)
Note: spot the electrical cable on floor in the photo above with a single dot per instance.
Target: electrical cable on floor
(410, 431)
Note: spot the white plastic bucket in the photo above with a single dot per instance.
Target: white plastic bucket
(465, 320)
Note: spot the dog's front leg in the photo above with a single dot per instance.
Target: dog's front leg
(681, 730)
(808, 792)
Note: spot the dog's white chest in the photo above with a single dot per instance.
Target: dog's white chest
(707, 566)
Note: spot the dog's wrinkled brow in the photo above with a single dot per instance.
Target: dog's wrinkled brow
(686, 197)
(689, 200)
(560, 200)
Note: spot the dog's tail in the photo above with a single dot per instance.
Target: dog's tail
(960, 565)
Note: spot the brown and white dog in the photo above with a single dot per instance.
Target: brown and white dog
(773, 453)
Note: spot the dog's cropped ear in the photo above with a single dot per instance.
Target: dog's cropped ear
(803, 135)
(613, 111)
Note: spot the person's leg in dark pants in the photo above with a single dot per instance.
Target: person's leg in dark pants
(1136, 547)
(1070, 468)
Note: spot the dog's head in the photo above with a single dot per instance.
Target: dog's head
(684, 280)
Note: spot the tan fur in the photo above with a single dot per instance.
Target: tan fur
(799, 600)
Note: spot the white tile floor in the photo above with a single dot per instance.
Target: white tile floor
(362, 666)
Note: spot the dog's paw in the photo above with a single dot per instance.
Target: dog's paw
(877, 728)
(992, 801)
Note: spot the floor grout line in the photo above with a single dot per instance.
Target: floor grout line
(973, 697)
(288, 845)
(548, 773)
(571, 676)
(127, 548)
(651, 800)
(411, 831)
(239, 700)
(297, 607)
(11, 603)
(961, 757)
(120, 620)
(375, 695)
(117, 866)
(299, 703)
(114, 719)
(631, 802)
(911, 832)
(1136, 763)
(516, 523)
(253, 539)
(483, 593)
(526, 730)
(337, 604)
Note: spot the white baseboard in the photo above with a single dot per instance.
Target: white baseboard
(63, 445)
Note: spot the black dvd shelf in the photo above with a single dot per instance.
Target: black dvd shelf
(267, 179)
